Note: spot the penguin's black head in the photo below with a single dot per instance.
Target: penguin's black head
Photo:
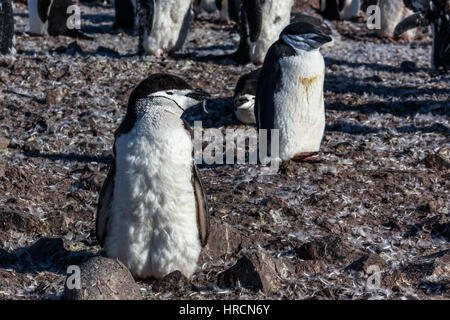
(304, 36)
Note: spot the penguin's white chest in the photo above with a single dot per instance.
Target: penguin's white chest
(299, 104)
(153, 225)
(170, 26)
(276, 15)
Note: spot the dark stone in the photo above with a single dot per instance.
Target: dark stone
(329, 248)
(256, 270)
(408, 66)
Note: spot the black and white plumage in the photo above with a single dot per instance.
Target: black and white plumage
(339, 9)
(163, 25)
(125, 14)
(437, 14)
(152, 213)
(244, 97)
(6, 28)
(290, 91)
(51, 17)
(260, 24)
(392, 12)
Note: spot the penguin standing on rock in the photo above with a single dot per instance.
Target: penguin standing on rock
(260, 24)
(125, 14)
(6, 28)
(339, 9)
(152, 213)
(51, 17)
(163, 25)
(289, 96)
(437, 14)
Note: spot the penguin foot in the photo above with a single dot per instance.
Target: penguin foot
(306, 157)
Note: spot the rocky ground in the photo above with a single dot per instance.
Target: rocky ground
(377, 199)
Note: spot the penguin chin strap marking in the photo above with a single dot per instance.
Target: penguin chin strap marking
(173, 100)
(303, 42)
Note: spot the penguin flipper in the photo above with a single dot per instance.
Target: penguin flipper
(202, 206)
(200, 198)
(104, 205)
(411, 22)
(44, 9)
(268, 82)
(253, 9)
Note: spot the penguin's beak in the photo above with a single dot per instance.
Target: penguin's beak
(198, 95)
(322, 38)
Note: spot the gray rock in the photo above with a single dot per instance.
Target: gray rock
(104, 279)
(224, 241)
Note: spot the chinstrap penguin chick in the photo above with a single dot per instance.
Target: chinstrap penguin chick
(244, 97)
(152, 213)
(6, 28)
(163, 25)
(51, 17)
(437, 14)
(260, 24)
(289, 95)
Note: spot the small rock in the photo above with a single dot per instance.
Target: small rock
(442, 229)
(442, 267)
(174, 281)
(224, 241)
(53, 97)
(4, 143)
(363, 263)
(104, 279)
(436, 162)
(256, 270)
(329, 248)
(408, 66)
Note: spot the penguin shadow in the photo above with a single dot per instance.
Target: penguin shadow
(356, 129)
(374, 85)
(46, 254)
(74, 49)
(70, 157)
(224, 59)
(375, 66)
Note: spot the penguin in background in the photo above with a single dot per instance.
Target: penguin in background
(229, 9)
(163, 25)
(152, 213)
(437, 14)
(244, 97)
(260, 24)
(245, 91)
(206, 5)
(50, 17)
(392, 12)
(289, 95)
(6, 28)
(125, 14)
(339, 9)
